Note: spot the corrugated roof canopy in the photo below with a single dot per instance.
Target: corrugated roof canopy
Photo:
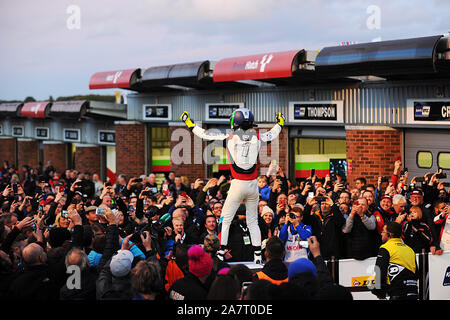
(35, 109)
(384, 58)
(10, 109)
(191, 74)
(69, 109)
(125, 79)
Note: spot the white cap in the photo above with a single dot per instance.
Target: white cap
(121, 263)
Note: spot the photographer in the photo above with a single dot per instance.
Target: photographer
(293, 234)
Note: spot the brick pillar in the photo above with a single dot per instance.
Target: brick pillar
(130, 148)
(56, 153)
(27, 153)
(8, 150)
(190, 164)
(372, 152)
(88, 158)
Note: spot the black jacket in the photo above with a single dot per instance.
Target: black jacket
(239, 251)
(33, 283)
(361, 240)
(274, 269)
(328, 231)
(188, 288)
(87, 290)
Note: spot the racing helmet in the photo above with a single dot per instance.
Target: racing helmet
(242, 118)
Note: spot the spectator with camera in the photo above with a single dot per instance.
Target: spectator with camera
(326, 221)
(442, 221)
(416, 198)
(416, 233)
(294, 234)
(360, 227)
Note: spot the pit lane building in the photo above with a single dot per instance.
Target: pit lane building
(350, 109)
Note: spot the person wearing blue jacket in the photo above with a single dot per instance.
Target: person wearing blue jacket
(264, 189)
(293, 233)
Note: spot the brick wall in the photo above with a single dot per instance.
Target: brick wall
(27, 153)
(8, 150)
(277, 149)
(57, 154)
(88, 158)
(373, 153)
(190, 164)
(130, 149)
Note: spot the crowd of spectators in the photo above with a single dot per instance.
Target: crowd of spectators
(139, 240)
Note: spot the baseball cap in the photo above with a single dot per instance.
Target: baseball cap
(121, 263)
(416, 192)
(90, 208)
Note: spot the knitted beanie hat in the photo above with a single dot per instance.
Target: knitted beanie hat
(302, 265)
(200, 262)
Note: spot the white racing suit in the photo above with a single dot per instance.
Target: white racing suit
(242, 152)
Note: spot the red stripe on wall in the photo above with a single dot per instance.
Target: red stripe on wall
(306, 173)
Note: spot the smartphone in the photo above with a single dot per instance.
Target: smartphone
(356, 203)
(245, 286)
(65, 214)
(137, 180)
(304, 244)
(313, 172)
(183, 194)
(100, 211)
(446, 184)
(14, 187)
(420, 179)
(310, 194)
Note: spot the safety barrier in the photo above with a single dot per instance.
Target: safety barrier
(358, 275)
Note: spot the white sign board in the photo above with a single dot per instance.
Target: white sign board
(357, 274)
(439, 276)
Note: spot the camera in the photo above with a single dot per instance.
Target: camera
(320, 198)
(292, 216)
(402, 172)
(441, 175)
(138, 180)
(147, 193)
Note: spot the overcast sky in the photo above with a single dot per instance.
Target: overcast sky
(43, 52)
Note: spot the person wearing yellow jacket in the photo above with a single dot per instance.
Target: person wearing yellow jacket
(396, 272)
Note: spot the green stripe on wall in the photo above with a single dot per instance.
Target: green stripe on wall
(161, 162)
(312, 165)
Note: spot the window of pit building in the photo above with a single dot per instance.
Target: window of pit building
(424, 159)
(444, 160)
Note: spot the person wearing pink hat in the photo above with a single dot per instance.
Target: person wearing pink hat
(194, 285)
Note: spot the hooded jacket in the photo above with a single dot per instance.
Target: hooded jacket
(274, 271)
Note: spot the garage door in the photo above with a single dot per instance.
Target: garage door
(426, 151)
